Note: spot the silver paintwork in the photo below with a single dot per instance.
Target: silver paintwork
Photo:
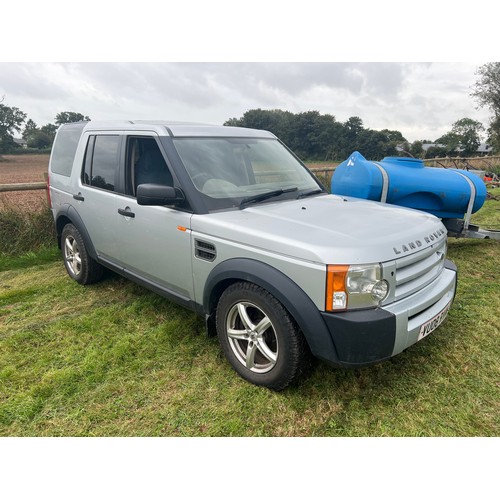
(413, 311)
(174, 128)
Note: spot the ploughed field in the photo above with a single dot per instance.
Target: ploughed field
(23, 168)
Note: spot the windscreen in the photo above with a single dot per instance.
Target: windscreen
(227, 170)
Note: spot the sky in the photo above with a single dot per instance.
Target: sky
(406, 67)
(421, 100)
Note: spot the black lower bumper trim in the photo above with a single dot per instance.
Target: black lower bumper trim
(362, 337)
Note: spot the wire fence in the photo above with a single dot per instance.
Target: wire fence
(485, 163)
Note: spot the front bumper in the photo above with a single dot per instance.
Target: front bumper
(373, 335)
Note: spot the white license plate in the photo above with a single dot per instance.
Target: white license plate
(433, 323)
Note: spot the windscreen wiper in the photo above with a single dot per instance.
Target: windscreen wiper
(310, 193)
(265, 196)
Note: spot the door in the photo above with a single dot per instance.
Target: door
(154, 242)
(95, 198)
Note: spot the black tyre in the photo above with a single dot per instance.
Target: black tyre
(259, 337)
(79, 265)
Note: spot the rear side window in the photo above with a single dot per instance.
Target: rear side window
(63, 152)
(101, 161)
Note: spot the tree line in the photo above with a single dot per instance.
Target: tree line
(311, 135)
(43, 137)
(13, 120)
(314, 136)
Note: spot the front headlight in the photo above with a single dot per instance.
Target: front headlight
(355, 287)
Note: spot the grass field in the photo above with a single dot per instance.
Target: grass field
(116, 360)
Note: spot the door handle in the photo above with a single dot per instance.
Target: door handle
(78, 197)
(126, 212)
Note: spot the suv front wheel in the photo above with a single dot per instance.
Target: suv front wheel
(259, 337)
(79, 265)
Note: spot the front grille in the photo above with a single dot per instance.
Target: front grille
(418, 270)
(204, 250)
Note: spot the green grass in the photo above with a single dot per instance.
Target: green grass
(488, 217)
(48, 253)
(113, 359)
(22, 232)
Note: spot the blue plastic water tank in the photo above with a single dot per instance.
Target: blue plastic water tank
(408, 183)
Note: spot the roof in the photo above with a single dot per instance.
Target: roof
(484, 148)
(426, 146)
(174, 128)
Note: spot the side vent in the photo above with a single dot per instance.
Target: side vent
(204, 250)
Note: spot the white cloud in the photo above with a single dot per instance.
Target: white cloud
(421, 100)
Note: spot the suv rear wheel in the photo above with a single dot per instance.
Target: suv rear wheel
(79, 265)
(259, 337)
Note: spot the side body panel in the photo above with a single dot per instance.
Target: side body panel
(156, 245)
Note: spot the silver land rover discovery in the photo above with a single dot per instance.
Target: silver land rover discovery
(229, 223)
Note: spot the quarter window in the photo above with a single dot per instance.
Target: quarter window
(64, 148)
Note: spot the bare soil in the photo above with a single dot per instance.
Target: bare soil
(23, 168)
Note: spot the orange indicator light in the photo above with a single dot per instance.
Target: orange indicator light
(335, 286)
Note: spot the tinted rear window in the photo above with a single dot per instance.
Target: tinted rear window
(105, 161)
(63, 152)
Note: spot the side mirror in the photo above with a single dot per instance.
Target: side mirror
(158, 195)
